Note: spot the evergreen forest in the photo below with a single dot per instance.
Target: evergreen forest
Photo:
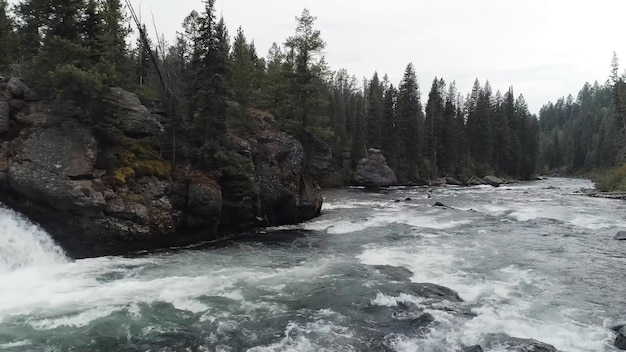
(211, 83)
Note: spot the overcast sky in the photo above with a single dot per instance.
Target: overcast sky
(543, 48)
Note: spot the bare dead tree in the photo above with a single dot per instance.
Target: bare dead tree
(167, 88)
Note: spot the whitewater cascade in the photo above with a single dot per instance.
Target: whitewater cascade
(24, 244)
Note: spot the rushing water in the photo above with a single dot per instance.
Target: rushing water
(530, 260)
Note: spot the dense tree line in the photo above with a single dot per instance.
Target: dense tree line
(588, 132)
(580, 134)
(212, 84)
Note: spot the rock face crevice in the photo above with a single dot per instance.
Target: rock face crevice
(99, 186)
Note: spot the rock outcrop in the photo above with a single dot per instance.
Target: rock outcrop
(102, 187)
(373, 171)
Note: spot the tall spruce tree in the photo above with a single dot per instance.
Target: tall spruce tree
(390, 143)
(374, 131)
(246, 71)
(433, 127)
(410, 121)
(308, 50)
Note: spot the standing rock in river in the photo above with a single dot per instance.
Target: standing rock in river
(621, 235)
(373, 171)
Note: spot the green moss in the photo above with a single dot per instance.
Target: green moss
(158, 168)
(122, 174)
(137, 198)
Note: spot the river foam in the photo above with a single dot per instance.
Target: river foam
(24, 245)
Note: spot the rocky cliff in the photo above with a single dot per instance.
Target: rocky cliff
(97, 181)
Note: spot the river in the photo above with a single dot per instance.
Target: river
(529, 260)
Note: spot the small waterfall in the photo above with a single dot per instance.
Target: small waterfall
(24, 244)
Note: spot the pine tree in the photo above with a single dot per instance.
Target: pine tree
(374, 130)
(246, 72)
(452, 133)
(210, 66)
(307, 47)
(410, 121)
(434, 127)
(7, 38)
(389, 143)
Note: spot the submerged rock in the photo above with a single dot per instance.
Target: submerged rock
(518, 344)
(373, 171)
(475, 348)
(621, 236)
(395, 273)
(425, 290)
(429, 290)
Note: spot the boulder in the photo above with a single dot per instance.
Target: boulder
(453, 181)
(620, 341)
(621, 236)
(16, 87)
(434, 291)
(45, 162)
(204, 202)
(39, 114)
(438, 182)
(493, 181)
(75, 149)
(287, 195)
(125, 111)
(475, 181)
(4, 116)
(475, 348)
(425, 290)
(373, 171)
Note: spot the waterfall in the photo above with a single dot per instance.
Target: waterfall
(24, 244)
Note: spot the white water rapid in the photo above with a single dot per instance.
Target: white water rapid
(378, 271)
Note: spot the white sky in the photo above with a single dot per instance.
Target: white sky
(543, 48)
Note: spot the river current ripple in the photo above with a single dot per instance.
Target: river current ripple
(529, 260)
